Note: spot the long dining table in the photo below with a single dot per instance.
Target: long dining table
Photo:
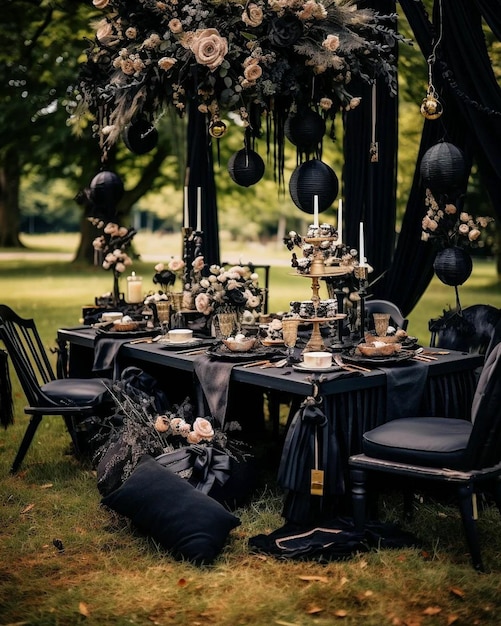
(352, 403)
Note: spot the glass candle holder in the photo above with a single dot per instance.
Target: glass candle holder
(134, 288)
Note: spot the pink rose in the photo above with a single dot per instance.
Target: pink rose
(203, 428)
(209, 48)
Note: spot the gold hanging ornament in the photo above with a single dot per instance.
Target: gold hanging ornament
(431, 107)
(217, 128)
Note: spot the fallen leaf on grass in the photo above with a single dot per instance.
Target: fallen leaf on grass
(432, 610)
(457, 592)
(313, 610)
(83, 609)
(281, 623)
(46, 486)
(341, 613)
(27, 509)
(182, 582)
(451, 619)
(313, 578)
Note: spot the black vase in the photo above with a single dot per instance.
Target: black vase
(246, 167)
(313, 178)
(443, 170)
(453, 266)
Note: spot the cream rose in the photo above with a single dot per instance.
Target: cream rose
(100, 4)
(203, 304)
(203, 428)
(176, 264)
(252, 15)
(253, 72)
(166, 63)
(175, 26)
(162, 424)
(331, 43)
(209, 48)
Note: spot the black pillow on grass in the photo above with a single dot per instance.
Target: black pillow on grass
(185, 521)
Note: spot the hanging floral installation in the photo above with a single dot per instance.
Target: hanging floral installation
(265, 59)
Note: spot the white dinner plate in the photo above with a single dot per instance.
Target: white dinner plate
(301, 367)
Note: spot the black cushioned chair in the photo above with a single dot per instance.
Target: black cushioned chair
(461, 455)
(468, 330)
(75, 399)
(385, 306)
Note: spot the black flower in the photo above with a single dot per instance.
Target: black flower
(285, 31)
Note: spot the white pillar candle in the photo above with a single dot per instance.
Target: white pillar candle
(315, 211)
(362, 246)
(134, 288)
(199, 209)
(186, 219)
(340, 222)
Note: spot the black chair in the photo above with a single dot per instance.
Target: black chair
(462, 456)
(385, 306)
(75, 399)
(468, 330)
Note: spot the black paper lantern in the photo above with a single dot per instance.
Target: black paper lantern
(305, 130)
(313, 178)
(443, 170)
(140, 136)
(246, 167)
(106, 189)
(453, 266)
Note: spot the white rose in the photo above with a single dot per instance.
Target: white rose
(203, 428)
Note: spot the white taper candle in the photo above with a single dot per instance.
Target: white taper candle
(315, 211)
(186, 218)
(362, 246)
(340, 222)
(199, 209)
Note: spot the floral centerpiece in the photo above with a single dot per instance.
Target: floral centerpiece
(110, 251)
(219, 290)
(251, 57)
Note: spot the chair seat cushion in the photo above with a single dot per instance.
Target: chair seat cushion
(78, 391)
(429, 441)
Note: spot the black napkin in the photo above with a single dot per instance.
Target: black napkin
(107, 345)
(405, 384)
(214, 378)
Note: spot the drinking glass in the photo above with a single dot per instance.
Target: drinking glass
(381, 322)
(289, 332)
(226, 324)
(163, 314)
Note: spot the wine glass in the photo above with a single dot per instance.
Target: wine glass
(381, 322)
(289, 332)
(226, 324)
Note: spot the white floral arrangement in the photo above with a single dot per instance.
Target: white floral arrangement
(217, 289)
(110, 247)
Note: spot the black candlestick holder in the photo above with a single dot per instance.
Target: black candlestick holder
(362, 274)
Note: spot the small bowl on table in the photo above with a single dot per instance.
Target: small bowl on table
(378, 348)
(240, 345)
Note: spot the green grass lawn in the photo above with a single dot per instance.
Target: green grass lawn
(109, 575)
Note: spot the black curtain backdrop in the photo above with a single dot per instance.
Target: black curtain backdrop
(200, 173)
(467, 87)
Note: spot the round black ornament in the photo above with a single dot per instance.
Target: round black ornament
(305, 129)
(140, 136)
(106, 189)
(443, 170)
(246, 167)
(313, 178)
(453, 266)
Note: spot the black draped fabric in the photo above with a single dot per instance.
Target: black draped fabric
(467, 87)
(200, 173)
(370, 186)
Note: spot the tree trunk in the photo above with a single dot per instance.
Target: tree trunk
(10, 176)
